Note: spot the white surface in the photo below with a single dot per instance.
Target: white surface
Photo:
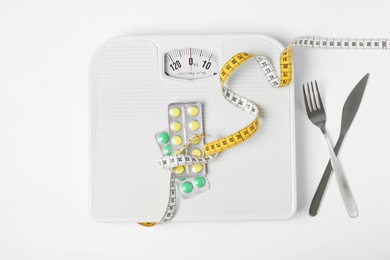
(45, 50)
(129, 95)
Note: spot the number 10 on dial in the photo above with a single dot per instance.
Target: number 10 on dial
(191, 63)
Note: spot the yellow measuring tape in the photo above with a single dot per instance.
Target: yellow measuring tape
(276, 81)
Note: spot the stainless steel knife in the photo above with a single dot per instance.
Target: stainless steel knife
(350, 108)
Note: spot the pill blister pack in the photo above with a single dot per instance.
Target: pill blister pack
(185, 122)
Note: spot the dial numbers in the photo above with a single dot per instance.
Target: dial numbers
(191, 63)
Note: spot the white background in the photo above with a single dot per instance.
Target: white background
(45, 48)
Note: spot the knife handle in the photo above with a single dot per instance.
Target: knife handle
(344, 188)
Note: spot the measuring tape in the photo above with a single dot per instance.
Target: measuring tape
(220, 145)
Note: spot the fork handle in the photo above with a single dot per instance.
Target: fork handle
(346, 193)
(320, 192)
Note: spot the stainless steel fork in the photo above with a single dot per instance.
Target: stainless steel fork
(316, 113)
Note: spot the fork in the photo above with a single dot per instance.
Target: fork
(316, 113)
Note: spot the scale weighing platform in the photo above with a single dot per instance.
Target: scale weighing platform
(133, 79)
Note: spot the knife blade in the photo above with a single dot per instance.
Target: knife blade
(350, 109)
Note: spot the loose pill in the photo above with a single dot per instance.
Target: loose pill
(177, 140)
(174, 111)
(192, 111)
(186, 187)
(199, 182)
(176, 126)
(194, 125)
(196, 168)
(163, 137)
(196, 152)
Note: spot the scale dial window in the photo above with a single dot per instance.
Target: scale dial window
(191, 63)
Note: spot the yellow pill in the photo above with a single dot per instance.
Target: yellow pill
(194, 125)
(174, 111)
(196, 168)
(176, 126)
(177, 140)
(193, 111)
(176, 152)
(196, 140)
(178, 169)
(196, 152)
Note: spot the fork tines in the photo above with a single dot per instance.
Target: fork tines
(313, 98)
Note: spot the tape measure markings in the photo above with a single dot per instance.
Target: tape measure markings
(168, 162)
(326, 43)
(342, 43)
(232, 64)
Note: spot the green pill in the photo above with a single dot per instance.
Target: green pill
(167, 149)
(163, 137)
(186, 187)
(199, 182)
(181, 179)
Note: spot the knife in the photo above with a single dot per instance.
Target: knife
(350, 108)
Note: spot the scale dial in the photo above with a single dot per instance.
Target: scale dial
(191, 63)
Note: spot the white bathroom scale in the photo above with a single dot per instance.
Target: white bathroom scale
(133, 79)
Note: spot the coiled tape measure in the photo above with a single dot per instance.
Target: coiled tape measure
(276, 80)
